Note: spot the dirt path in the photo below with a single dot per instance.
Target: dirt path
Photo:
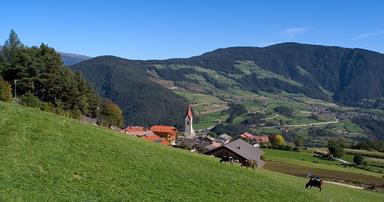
(313, 124)
(272, 117)
(342, 184)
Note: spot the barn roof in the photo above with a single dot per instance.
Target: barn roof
(243, 149)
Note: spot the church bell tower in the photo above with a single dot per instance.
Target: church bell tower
(189, 132)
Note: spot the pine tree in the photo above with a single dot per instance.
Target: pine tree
(11, 45)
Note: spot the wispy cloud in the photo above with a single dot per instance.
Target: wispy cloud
(294, 31)
(370, 34)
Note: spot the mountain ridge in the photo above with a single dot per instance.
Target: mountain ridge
(143, 101)
(345, 76)
(330, 66)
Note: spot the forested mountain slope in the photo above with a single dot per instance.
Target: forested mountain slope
(143, 101)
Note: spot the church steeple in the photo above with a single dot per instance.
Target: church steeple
(189, 132)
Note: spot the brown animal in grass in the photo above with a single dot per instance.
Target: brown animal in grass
(314, 182)
(249, 163)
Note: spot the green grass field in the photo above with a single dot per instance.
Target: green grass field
(45, 157)
(209, 120)
(306, 158)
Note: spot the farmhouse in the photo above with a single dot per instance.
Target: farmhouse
(257, 139)
(137, 131)
(167, 132)
(134, 129)
(239, 150)
(261, 139)
(157, 139)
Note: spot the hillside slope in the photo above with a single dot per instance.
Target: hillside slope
(126, 83)
(348, 76)
(47, 157)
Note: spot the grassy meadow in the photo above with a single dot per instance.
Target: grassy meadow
(45, 157)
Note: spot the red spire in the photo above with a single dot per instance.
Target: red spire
(189, 112)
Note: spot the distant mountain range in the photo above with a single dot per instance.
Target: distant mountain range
(69, 58)
(346, 76)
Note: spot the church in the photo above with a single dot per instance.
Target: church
(188, 131)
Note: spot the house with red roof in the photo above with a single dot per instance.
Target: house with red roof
(262, 139)
(134, 129)
(167, 132)
(137, 131)
(157, 139)
(247, 136)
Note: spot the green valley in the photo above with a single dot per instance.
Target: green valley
(48, 157)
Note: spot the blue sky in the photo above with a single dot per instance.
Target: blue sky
(150, 29)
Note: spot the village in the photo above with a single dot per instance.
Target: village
(243, 149)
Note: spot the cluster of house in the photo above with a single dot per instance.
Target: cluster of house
(242, 148)
(165, 135)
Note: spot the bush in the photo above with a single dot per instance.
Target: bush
(299, 142)
(336, 148)
(30, 100)
(5, 91)
(277, 140)
(110, 115)
(358, 159)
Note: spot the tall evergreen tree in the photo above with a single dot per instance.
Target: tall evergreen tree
(11, 45)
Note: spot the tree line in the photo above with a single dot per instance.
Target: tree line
(36, 77)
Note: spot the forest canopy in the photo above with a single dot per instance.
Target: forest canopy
(39, 72)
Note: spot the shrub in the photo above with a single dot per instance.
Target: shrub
(110, 115)
(30, 100)
(299, 142)
(336, 148)
(5, 90)
(277, 140)
(358, 159)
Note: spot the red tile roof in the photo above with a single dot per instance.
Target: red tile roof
(164, 142)
(262, 139)
(135, 129)
(151, 138)
(157, 139)
(247, 135)
(163, 129)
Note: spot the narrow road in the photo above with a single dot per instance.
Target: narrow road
(343, 184)
(272, 117)
(313, 124)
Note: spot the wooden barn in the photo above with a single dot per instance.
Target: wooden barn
(239, 150)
